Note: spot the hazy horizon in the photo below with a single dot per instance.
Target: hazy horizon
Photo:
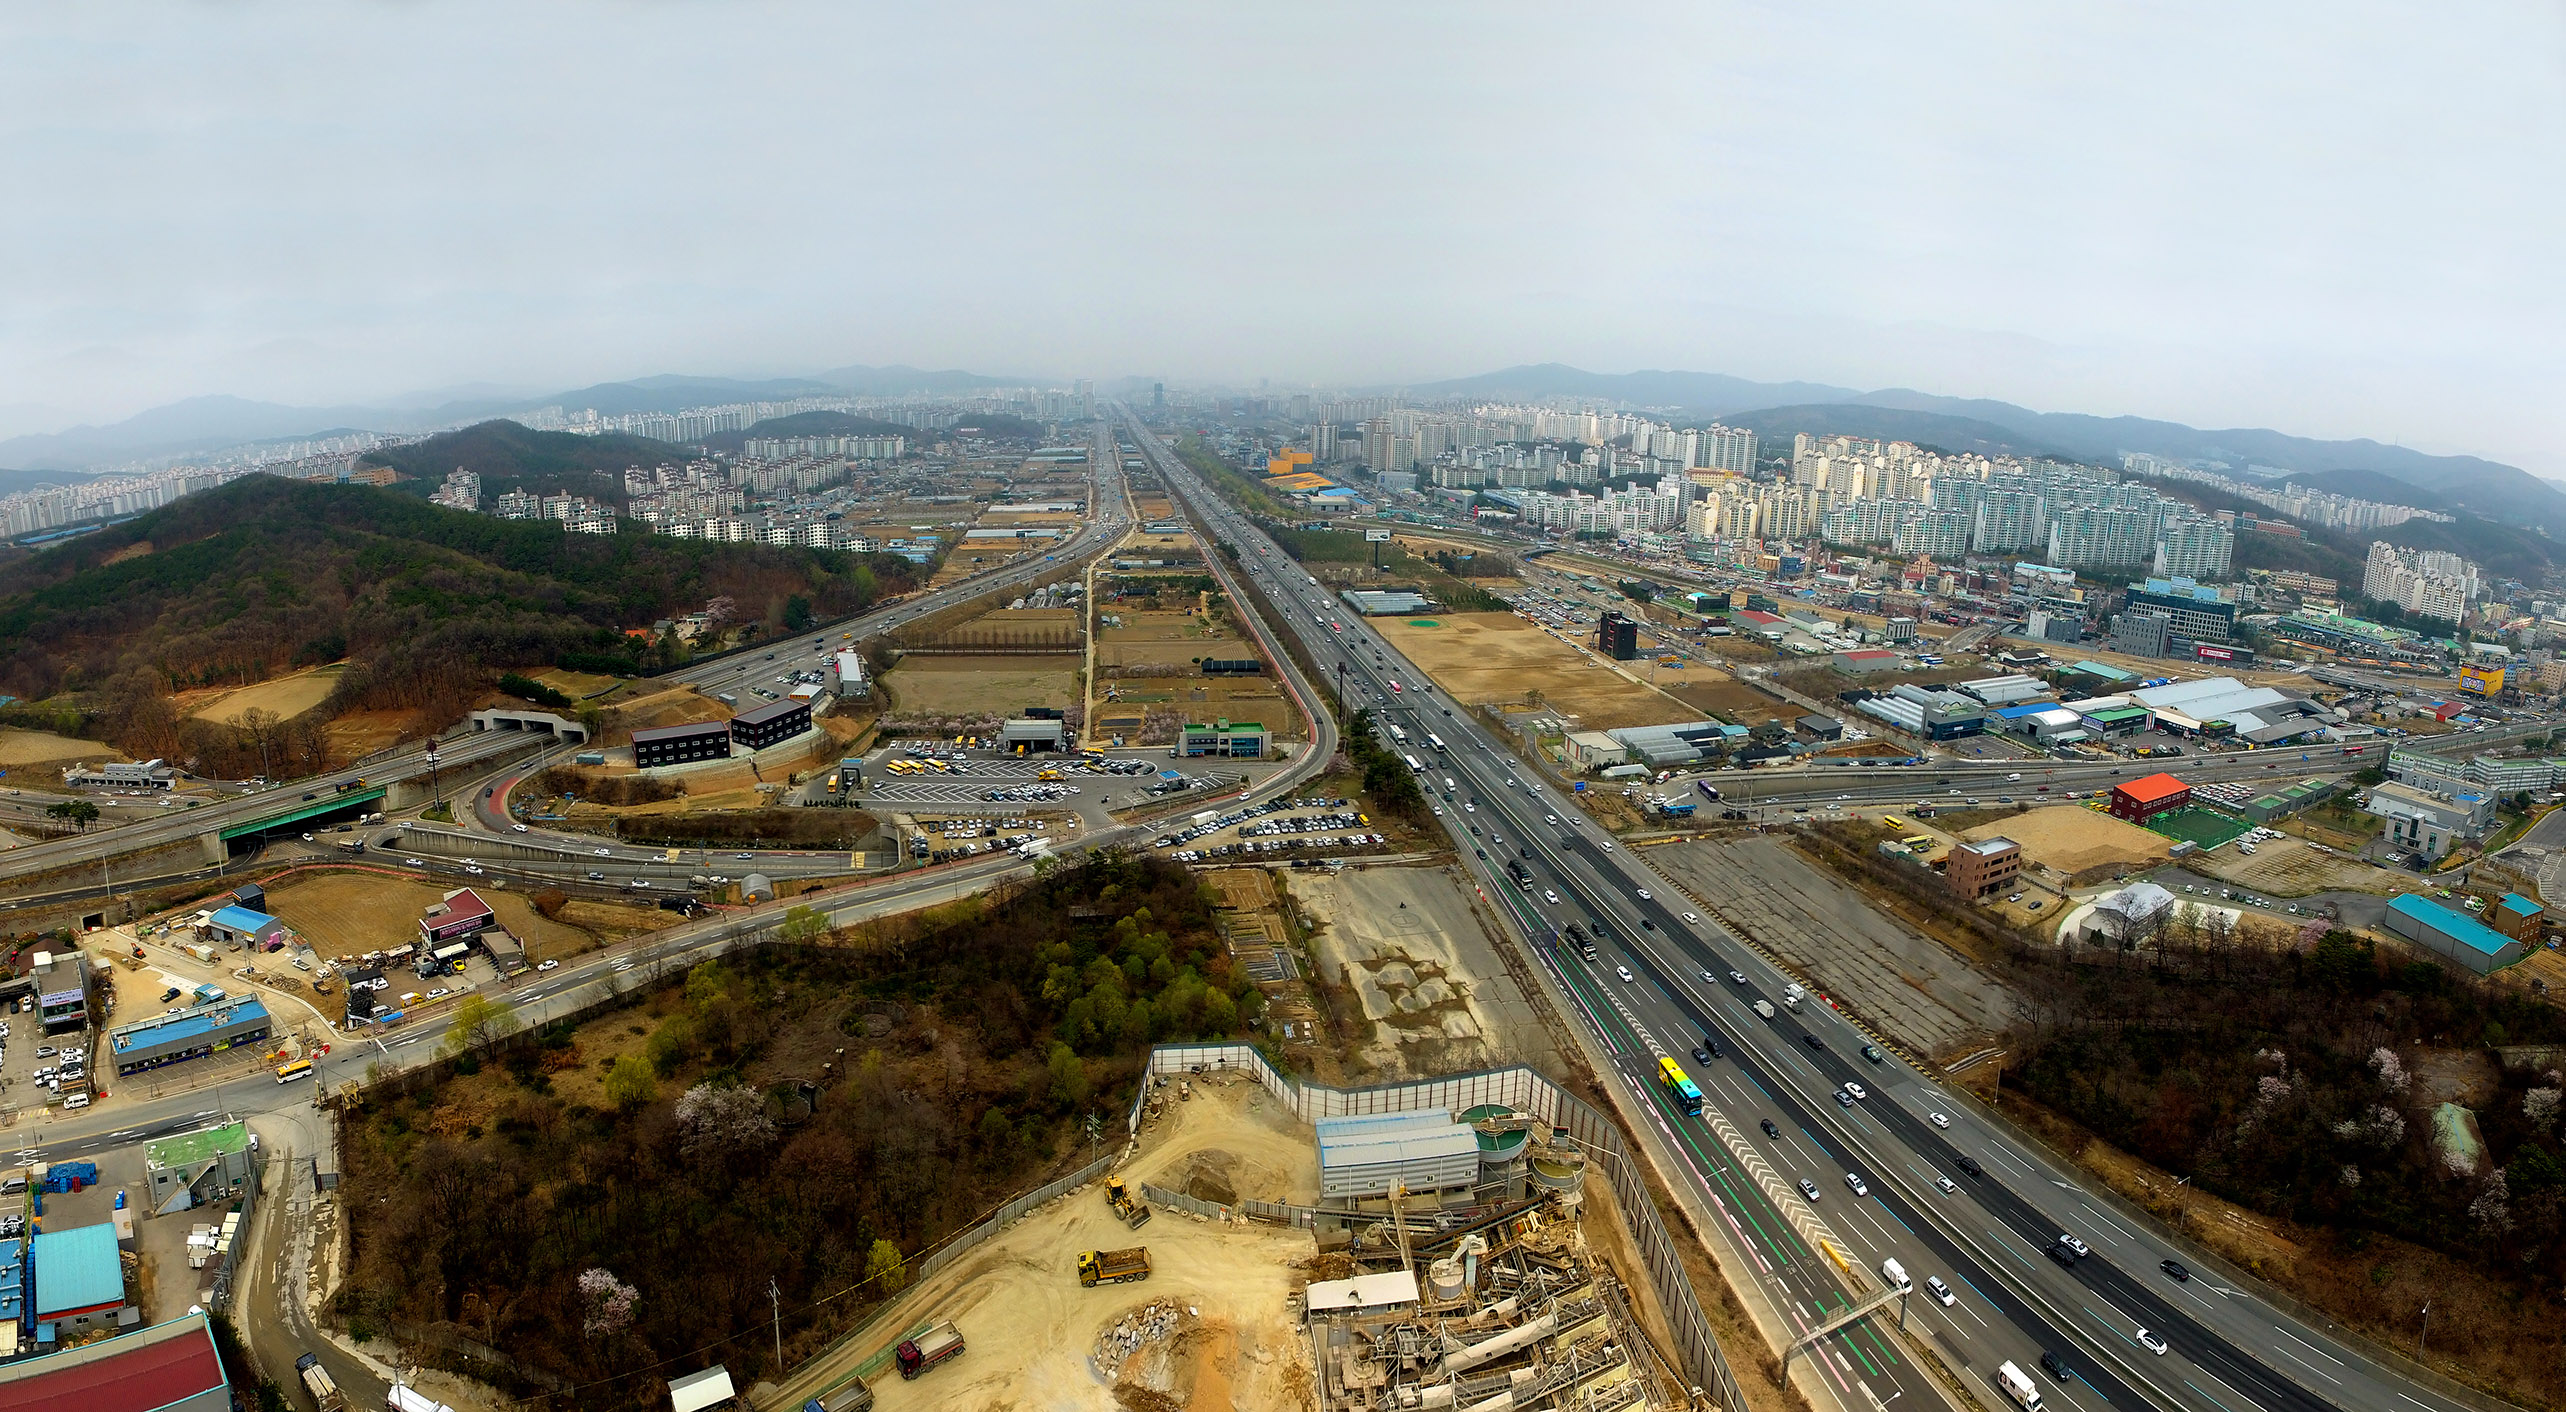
(2315, 220)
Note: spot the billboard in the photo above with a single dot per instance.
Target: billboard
(2214, 654)
(2481, 681)
(1376, 536)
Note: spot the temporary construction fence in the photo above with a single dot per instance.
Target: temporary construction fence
(952, 1249)
(1524, 1091)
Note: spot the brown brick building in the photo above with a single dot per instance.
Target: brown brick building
(1978, 867)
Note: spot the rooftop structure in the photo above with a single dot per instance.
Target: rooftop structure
(2454, 935)
(78, 1273)
(1365, 1156)
(168, 1367)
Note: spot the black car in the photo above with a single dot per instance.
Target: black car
(1814, 1041)
(1969, 1164)
(2063, 1256)
(1701, 1055)
(1770, 1130)
(2054, 1365)
(2175, 1268)
(1712, 1043)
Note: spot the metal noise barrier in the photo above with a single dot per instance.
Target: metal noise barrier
(1526, 1091)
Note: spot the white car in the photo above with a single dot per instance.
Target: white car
(1624, 973)
(1854, 1180)
(1938, 1120)
(603, 852)
(1549, 896)
(518, 827)
(548, 966)
(2151, 1343)
(1689, 917)
(1942, 1292)
(1856, 1089)
(1643, 894)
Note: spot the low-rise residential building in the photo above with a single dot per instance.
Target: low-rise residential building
(2517, 917)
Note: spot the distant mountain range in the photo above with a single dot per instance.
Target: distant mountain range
(202, 424)
(2490, 489)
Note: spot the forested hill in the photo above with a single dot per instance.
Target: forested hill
(509, 457)
(236, 584)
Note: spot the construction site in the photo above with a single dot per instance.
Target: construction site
(1414, 1259)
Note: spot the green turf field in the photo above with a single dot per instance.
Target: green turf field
(2205, 827)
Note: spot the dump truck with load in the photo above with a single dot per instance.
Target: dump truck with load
(854, 1397)
(1113, 1267)
(1133, 1210)
(317, 1381)
(916, 1355)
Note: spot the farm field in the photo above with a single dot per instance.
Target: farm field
(25, 747)
(976, 686)
(2070, 838)
(1497, 657)
(287, 697)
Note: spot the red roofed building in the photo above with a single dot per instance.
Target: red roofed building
(170, 1367)
(2141, 800)
(461, 914)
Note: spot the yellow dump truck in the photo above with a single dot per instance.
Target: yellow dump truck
(1113, 1267)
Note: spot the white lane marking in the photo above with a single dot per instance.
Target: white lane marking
(2310, 1347)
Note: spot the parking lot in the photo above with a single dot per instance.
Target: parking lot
(1332, 826)
(36, 1068)
(970, 779)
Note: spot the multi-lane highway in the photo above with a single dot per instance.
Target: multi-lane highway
(1662, 984)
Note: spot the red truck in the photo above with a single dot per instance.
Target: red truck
(916, 1355)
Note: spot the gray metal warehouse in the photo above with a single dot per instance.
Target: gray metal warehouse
(191, 1033)
(1427, 1153)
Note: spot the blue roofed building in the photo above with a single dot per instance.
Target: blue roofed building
(2456, 935)
(191, 1033)
(80, 1282)
(1426, 1154)
(243, 927)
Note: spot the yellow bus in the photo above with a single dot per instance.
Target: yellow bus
(289, 1072)
(1919, 843)
(1894, 822)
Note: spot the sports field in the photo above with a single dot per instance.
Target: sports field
(2195, 824)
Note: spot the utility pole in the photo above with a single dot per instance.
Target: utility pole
(2426, 1329)
(775, 1297)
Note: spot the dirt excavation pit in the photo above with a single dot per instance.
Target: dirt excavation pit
(1230, 1136)
(1404, 946)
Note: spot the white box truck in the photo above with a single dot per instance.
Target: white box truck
(1895, 1274)
(2018, 1387)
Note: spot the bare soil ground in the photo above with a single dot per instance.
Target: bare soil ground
(1730, 700)
(1004, 686)
(287, 696)
(1032, 1328)
(355, 734)
(1162, 638)
(350, 911)
(1489, 658)
(24, 747)
(2071, 839)
(575, 685)
(2289, 867)
(679, 706)
(1416, 981)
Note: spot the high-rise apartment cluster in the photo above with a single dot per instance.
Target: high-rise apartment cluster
(577, 513)
(1852, 490)
(2428, 582)
(1502, 445)
(461, 491)
(2315, 507)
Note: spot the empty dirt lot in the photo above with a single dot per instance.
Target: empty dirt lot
(1497, 657)
(1909, 985)
(2290, 867)
(24, 747)
(350, 911)
(1030, 1327)
(1405, 946)
(976, 686)
(2071, 839)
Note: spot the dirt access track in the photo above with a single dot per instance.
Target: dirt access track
(1030, 1327)
(1494, 658)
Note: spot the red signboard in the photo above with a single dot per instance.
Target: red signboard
(2214, 654)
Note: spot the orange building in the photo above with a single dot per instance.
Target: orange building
(2141, 800)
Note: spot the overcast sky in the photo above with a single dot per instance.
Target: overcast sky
(2336, 220)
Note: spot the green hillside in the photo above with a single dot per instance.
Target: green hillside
(427, 605)
(509, 457)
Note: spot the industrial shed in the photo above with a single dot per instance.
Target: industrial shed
(1427, 1154)
(2455, 935)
